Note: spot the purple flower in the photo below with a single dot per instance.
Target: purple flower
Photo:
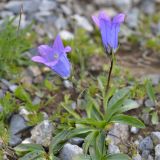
(109, 29)
(55, 57)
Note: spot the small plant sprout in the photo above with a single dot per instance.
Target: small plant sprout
(55, 57)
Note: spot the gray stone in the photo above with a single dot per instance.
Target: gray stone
(68, 84)
(146, 118)
(145, 154)
(155, 137)
(134, 130)
(74, 105)
(6, 14)
(113, 149)
(66, 35)
(148, 7)
(135, 2)
(28, 6)
(81, 21)
(76, 141)
(150, 157)
(149, 103)
(123, 5)
(1, 94)
(1, 108)
(24, 23)
(36, 100)
(157, 152)
(119, 133)
(155, 78)
(42, 16)
(34, 71)
(146, 144)
(69, 152)
(13, 87)
(137, 157)
(61, 23)
(47, 5)
(103, 2)
(66, 10)
(14, 6)
(132, 18)
(14, 140)
(17, 124)
(42, 133)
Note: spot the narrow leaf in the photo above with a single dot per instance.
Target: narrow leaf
(150, 91)
(124, 119)
(88, 140)
(128, 105)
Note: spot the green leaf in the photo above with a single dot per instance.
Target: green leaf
(71, 111)
(34, 155)
(58, 141)
(150, 91)
(116, 102)
(22, 94)
(100, 144)
(124, 119)
(23, 148)
(155, 119)
(108, 96)
(128, 105)
(88, 140)
(118, 156)
(79, 131)
(90, 121)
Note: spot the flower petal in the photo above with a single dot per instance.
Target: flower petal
(58, 44)
(114, 35)
(103, 15)
(38, 59)
(119, 18)
(44, 50)
(105, 29)
(63, 67)
(95, 20)
(67, 49)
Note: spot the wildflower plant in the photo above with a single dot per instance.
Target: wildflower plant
(100, 112)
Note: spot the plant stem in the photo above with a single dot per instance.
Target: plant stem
(110, 72)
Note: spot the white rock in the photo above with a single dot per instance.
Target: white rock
(34, 71)
(24, 113)
(113, 149)
(66, 35)
(157, 152)
(42, 133)
(155, 137)
(117, 133)
(81, 21)
(27, 141)
(134, 130)
(69, 152)
(47, 5)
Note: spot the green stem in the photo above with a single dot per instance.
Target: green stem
(110, 72)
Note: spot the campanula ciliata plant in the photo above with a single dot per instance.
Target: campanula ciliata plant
(109, 30)
(55, 57)
(101, 113)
